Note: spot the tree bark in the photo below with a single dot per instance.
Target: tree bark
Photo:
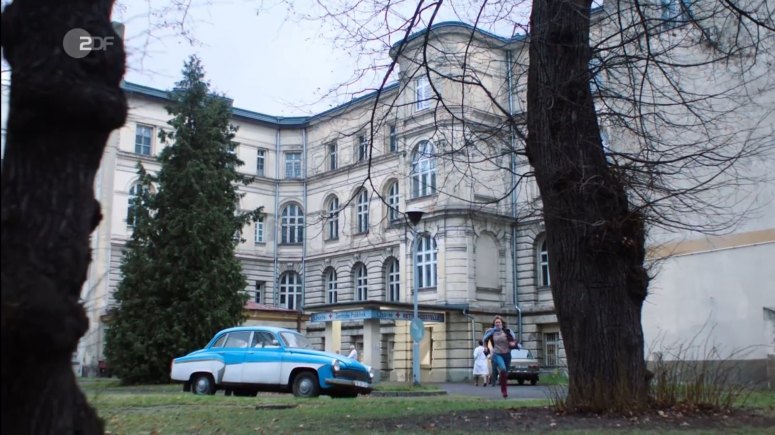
(595, 241)
(62, 110)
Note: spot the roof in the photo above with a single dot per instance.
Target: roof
(279, 121)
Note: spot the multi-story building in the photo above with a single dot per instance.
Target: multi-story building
(332, 255)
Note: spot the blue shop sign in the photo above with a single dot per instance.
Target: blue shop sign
(376, 314)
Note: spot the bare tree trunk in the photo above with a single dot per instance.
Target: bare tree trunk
(598, 279)
(62, 109)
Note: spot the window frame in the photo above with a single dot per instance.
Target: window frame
(332, 220)
(551, 340)
(392, 139)
(423, 170)
(426, 261)
(292, 226)
(140, 147)
(293, 170)
(332, 156)
(258, 296)
(542, 263)
(362, 212)
(134, 192)
(393, 202)
(393, 280)
(261, 162)
(290, 291)
(362, 148)
(360, 282)
(422, 93)
(331, 285)
(258, 237)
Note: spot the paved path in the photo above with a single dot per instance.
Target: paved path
(516, 392)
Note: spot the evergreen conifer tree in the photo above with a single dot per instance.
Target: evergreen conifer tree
(184, 283)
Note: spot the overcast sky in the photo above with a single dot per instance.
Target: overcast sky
(250, 51)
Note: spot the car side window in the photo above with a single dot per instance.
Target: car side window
(221, 341)
(238, 339)
(263, 339)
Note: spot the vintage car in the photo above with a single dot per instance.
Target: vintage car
(248, 359)
(523, 367)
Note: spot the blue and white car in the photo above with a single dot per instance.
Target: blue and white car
(248, 359)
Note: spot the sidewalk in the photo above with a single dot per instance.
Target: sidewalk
(516, 392)
(520, 392)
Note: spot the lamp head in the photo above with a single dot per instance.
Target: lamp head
(414, 215)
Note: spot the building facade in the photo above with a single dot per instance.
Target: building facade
(333, 254)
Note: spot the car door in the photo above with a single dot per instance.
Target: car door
(233, 353)
(263, 359)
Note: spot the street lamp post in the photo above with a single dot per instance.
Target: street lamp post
(417, 330)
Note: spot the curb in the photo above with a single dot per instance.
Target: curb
(407, 393)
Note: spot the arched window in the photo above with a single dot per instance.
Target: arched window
(426, 261)
(329, 280)
(292, 224)
(543, 263)
(424, 170)
(392, 202)
(290, 290)
(361, 282)
(332, 224)
(362, 211)
(133, 202)
(393, 280)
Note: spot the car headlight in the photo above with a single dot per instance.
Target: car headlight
(335, 365)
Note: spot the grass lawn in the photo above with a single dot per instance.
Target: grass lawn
(166, 409)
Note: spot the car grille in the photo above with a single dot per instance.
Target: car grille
(353, 374)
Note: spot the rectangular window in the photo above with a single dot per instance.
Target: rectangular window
(392, 140)
(363, 148)
(260, 230)
(422, 93)
(143, 138)
(293, 165)
(551, 349)
(260, 292)
(332, 156)
(260, 162)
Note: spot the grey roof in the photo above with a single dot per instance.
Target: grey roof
(279, 121)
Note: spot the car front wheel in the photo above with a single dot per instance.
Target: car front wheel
(202, 383)
(306, 385)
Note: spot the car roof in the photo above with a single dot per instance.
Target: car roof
(255, 327)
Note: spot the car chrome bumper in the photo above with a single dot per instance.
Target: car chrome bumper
(357, 385)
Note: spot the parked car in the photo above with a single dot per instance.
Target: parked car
(248, 359)
(523, 367)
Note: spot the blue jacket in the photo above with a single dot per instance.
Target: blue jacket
(488, 336)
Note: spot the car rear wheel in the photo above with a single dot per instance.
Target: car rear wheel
(306, 385)
(202, 383)
(521, 381)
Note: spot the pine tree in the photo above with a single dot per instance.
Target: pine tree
(184, 283)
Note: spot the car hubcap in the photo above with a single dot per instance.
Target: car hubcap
(201, 385)
(305, 387)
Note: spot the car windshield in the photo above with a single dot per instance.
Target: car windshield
(294, 339)
(521, 354)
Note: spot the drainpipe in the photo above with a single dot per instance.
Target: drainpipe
(275, 290)
(473, 327)
(306, 213)
(513, 139)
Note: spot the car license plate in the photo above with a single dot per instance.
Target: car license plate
(361, 384)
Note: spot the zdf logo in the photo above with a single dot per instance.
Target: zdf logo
(79, 43)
